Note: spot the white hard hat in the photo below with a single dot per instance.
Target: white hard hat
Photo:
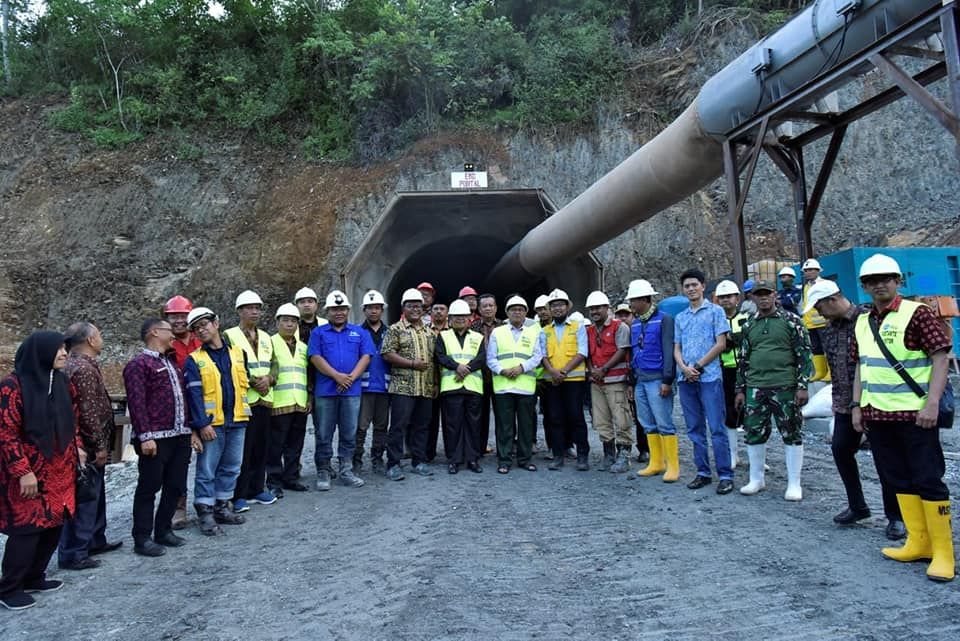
(516, 300)
(542, 301)
(879, 264)
(557, 294)
(726, 287)
(305, 292)
(818, 291)
(639, 289)
(596, 299)
(811, 263)
(788, 271)
(411, 296)
(288, 309)
(577, 317)
(247, 297)
(198, 313)
(459, 307)
(373, 297)
(336, 298)
(622, 307)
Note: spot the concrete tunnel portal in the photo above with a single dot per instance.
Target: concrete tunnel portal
(455, 238)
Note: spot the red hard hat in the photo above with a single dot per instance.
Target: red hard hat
(426, 285)
(467, 291)
(178, 305)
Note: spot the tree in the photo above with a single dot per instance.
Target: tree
(5, 25)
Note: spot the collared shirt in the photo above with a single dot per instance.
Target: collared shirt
(528, 365)
(155, 397)
(924, 333)
(581, 329)
(774, 352)
(411, 342)
(342, 350)
(181, 350)
(198, 416)
(93, 402)
(696, 331)
(836, 338)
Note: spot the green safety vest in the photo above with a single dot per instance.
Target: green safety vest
(258, 364)
(472, 345)
(511, 353)
(883, 388)
(730, 357)
(291, 387)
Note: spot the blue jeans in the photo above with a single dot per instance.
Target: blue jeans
(332, 413)
(703, 405)
(218, 465)
(654, 412)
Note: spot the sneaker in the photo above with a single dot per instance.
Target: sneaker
(422, 469)
(395, 473)
(80, 564)
(240, 505)
(264, 498)
(348, 478)
(323, 480)
(43, 585)
(17, 601)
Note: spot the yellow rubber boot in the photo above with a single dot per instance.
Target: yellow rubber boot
(656, 465)
(917, 546)
(937, 515)
(672, 454)
(821, 368)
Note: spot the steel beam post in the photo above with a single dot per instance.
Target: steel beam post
(738, 243)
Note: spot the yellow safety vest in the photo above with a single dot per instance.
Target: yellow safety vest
(291, 387)
(811, 319)
(213, 393)
(730, 357)
(562, 352)
(510, 353)
(883, 388)
(472, 345)
(258, 363)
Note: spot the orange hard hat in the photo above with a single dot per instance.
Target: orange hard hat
(178, 305)
(468, 291)
(426, 285)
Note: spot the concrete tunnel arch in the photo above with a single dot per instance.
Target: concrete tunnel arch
(455, 238)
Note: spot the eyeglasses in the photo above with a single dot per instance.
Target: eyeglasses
(413, 305)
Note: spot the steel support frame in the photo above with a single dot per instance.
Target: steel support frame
(787, 154)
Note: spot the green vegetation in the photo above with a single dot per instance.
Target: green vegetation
(346, 79)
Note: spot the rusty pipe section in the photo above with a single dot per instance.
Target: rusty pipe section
(679, 161)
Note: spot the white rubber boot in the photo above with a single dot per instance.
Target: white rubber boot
(732, 439)
(794, 456)
(757, 455)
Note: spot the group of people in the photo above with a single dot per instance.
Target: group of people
(239, 399)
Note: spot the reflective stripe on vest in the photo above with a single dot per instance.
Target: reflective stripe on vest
(599, 355)
(561, 353)
(291, 387)
(213, 393)
(472, 344)
(513, 352)
(883, 388)
(258, 363)
(730, 357)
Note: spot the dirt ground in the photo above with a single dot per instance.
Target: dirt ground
(545, 555)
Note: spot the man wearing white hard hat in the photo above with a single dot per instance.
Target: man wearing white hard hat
(542, 310)
(291, 403)
(307, 303)
(374, 399)
(256, 345)
(902, 349)
(608, 342)
(728, 297)
(651, 358)
(813, 321)
(565, 364)
(216, 380)
(340, 352)
(837, 336)
(409, 348)
(790, 295)
(513, 354)
(460, 357)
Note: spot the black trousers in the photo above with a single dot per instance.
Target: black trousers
(433, 431)
(25, 559)
(734, 417)
(461, 423)
(545, 413)
(284, 448)
(846, 443)
(486, 411)
(256, 441)
(910, 457)
(642, 446)
(88, 528)
(165, 472)
(567, 424)
(410, 414)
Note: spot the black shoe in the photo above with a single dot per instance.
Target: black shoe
(699, 481)
(895, 530)
(170, 540)
(475, 467)
(725, 486)
(583, 463)
(80, 564)
(850, 516)
(149, 548)
(453, 468)
(106, 547)
(296, 486)
(276, 491)
(43, 585)
(18, 600)
(556, 463)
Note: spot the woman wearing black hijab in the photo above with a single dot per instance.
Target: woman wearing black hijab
(38, 459)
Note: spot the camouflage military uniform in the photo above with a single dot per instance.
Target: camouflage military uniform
(775, 362)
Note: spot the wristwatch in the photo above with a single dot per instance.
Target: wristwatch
(700, 368)
(854, 404)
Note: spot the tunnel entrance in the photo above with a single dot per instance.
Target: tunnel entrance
(455, 238)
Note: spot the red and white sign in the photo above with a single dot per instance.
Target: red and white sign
(468, 180)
